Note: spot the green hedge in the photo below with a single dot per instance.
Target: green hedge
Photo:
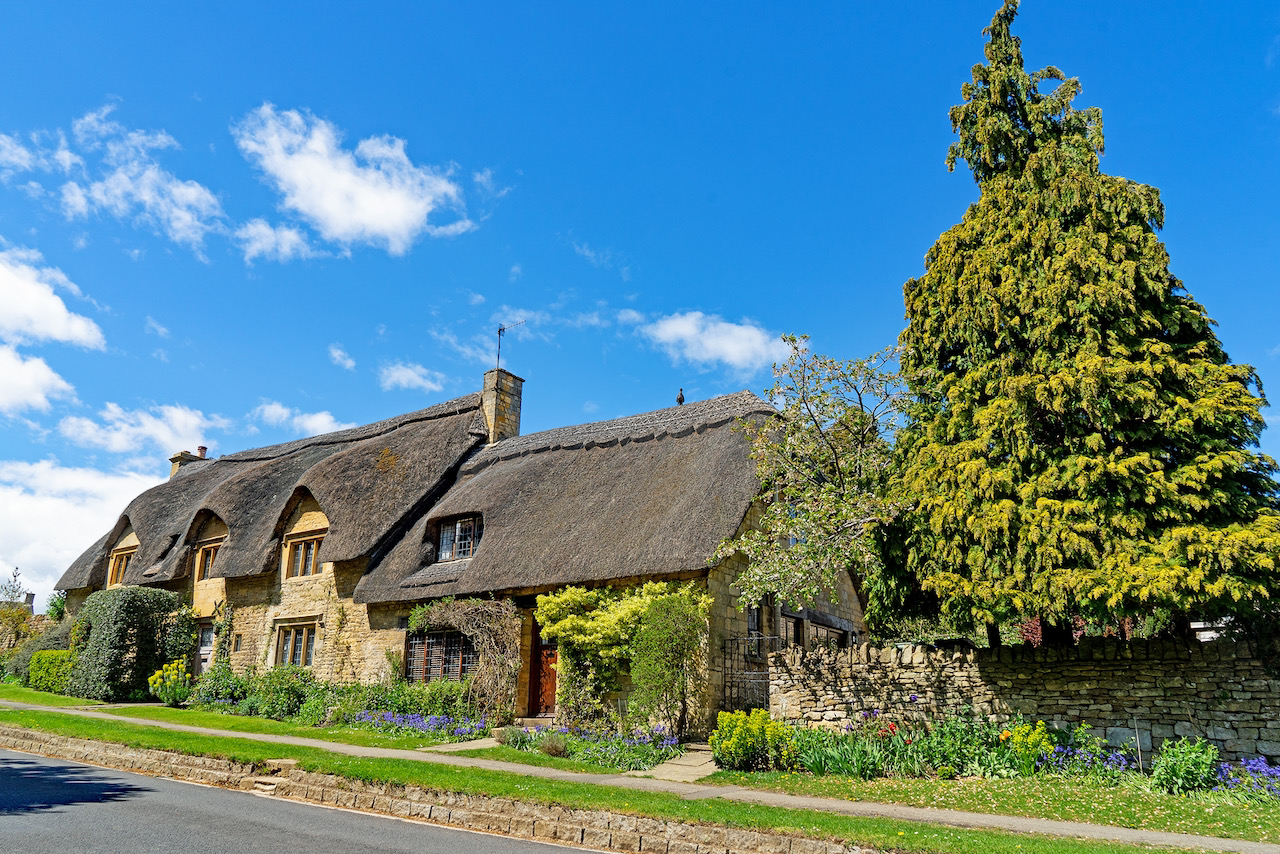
(122, 636)
(49, 670)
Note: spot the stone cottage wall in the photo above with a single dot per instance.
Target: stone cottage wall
(1219, 690)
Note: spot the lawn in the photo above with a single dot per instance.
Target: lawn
(526, 757)
(19, 694)
(874, 832)
(1130, 804)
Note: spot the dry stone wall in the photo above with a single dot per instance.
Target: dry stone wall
(1161, 689)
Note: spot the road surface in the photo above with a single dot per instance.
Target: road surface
(53, 806)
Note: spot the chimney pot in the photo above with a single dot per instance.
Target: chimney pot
(201, 450)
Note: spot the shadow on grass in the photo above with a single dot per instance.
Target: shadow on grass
(29, 786)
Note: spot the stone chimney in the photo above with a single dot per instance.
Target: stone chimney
(180, 459)
(500, 402)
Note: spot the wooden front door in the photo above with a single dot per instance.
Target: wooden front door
(542, 684)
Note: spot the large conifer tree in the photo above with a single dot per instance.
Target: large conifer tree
(1078, 442)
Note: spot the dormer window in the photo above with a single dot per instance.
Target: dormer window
(300, 555)
(205, 556)
(120, 561)
(459, 537)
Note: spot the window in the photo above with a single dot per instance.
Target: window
(296, 644)
(236, 641)
(825, 636)
(459, 538)
(300, 555)
(119, 565)
(439, 655)
(204, 558)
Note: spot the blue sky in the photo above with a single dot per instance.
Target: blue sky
(231, 227)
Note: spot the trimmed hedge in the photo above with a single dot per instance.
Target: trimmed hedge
(49, 670)
(122, 636)
(19, 661)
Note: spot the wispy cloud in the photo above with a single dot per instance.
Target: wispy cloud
(707, 340)
(167, 428)
(605, 259)
(475, 299)
(302, 423)
(339, 357)
(133, 185)
(373, 195)
(515, 273)
(480, 348)
(410, 375)
(260, 239)
(488, 185)
(630, 317)
(154, 327)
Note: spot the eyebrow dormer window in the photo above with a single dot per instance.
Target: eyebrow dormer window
(459, 537)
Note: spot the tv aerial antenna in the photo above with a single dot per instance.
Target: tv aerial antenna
(502, 329)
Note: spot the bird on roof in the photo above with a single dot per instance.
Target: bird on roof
(680, 398)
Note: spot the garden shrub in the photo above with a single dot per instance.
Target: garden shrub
(171, 684)
(278, 692)
(1185, 766)
(220, 686)
(666, 658)
(753, 742)
(122, 636)
(553, 744)
(49, 670)
(56, 637)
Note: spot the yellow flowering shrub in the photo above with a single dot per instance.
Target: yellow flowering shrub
(171, 684)
(753, 742)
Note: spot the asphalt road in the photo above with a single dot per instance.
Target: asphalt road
(52, 806)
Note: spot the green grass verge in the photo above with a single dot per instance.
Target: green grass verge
(526, 757)
(18, 694)
(1131, 804)
(241, 723)
(879, 833)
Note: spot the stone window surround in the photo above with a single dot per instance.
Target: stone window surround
(299, 540)
(206, 554)
(119, 563)
(296, 637)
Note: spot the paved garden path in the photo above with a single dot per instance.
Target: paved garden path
(694, 790)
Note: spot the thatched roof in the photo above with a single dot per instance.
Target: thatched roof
(370, 481)
(649, 495)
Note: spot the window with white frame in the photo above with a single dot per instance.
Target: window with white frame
(460, 537)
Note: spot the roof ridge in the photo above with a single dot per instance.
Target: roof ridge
(673, 421)
(360, 433)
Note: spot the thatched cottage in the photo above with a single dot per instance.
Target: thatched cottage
(323, 545)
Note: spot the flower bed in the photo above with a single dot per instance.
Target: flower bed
(637, 750)
(444, 727)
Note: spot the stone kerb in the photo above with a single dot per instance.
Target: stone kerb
(1157, 689)
(586, 828)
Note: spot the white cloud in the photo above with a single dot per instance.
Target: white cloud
(259, 239)
(374, 195)
(31, 311)
(340, 357)
(53, 513)
(136, 187)
(516, 272)
(475, 299)
(303, 423)
(705, 340)
(410, 375)
(630, 316)
(28, 383)
(166, 428)
(154, 327)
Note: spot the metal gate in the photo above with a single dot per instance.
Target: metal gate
(745, 666)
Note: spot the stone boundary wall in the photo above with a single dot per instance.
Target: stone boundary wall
(1219, 690)
(586, 828)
